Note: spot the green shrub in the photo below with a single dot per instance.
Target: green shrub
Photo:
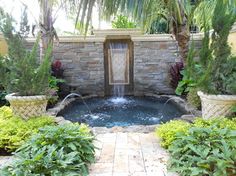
(5, 112)
(167, 132)
(204, 151)
(222, 75)
(122, 21)
(193, 98)
(55, 150)
(21, 72)
(14, 130)
(216, 122)
(205, 147)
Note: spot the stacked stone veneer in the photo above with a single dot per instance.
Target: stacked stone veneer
(152, 60)
(84, 66)
(83, 61)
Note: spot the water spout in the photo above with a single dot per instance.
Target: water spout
(169, 100)
(78, 95)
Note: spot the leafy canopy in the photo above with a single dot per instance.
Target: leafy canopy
(122, 21)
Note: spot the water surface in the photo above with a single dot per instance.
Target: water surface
(122, 111)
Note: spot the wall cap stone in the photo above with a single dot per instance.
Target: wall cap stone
(105, 32)
(100, 38)
(163, 37)
(74, 39)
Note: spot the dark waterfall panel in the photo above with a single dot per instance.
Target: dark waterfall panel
(118, 64)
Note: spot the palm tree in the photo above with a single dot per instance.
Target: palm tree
(178, 12)
(209, 6)
(46, 21)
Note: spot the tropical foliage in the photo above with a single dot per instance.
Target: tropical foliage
(159, 26)
(204, 151)
(177, 13)
(201, 18)
(122, 21)
(168, 131)
(14, 131)
(215, 71)
(189, 74)
(60, 150)
(204, 147)
(175, 73)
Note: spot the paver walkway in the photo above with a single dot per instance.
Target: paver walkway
(129, 154)
(126, 154)
(4, 160)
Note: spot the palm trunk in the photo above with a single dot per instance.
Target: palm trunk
(182, 36)
(46, 26)
(180, 27)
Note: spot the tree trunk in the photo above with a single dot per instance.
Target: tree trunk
(180, 29)
(182, 36)
(46, 26)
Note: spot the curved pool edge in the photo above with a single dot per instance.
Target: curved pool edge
(128, 129)
(190, 114)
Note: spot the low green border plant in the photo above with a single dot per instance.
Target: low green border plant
(56, 150)
(14, 131)
(204, 147)
(204, 151)
(167, 132)
(217, 122)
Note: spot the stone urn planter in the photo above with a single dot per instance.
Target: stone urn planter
(27, 106)
(216, 105)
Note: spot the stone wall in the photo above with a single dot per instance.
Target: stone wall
(83, 64)
(83, 61)
(152, 61)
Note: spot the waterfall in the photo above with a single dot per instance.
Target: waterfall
(118, 90)
(119, 65)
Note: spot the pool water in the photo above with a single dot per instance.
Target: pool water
(121, 111)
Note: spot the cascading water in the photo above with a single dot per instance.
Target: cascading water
(118, 71)
(118, 90)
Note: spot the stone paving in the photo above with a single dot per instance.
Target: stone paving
(129, 154)
(125, 154)
(4, 160)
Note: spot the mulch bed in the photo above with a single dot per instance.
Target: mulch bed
(4, 152)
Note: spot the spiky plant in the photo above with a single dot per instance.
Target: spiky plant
(21, 72)
(223, 72)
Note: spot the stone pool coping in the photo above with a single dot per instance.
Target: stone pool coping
(191, 114)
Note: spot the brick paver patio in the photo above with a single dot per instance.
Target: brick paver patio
(129, 154)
